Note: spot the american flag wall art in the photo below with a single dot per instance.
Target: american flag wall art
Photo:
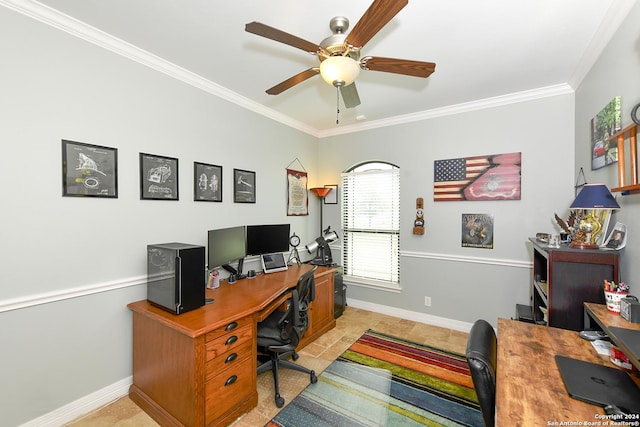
(492, 177)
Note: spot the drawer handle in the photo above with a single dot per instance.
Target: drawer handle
(231, 326)
(231, 357)
(231, 340)
(232, 379)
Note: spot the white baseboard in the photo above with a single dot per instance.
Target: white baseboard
(82, 406)
(411, 315)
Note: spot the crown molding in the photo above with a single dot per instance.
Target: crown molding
(481, 104)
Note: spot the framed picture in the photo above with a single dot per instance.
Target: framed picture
(617, 238)
(297, 197)
(608, 121)
(207, 182)
(158, 177)
(479, 178)
(332, 197)
(89, 170)
(477, 231)
(244, 186)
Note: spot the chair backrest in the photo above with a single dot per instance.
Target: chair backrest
(482, 358)
(296, 320)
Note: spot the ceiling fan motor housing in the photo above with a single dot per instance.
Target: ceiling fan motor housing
(335, 44)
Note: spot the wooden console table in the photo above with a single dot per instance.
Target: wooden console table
(605, 319)
(199, 368)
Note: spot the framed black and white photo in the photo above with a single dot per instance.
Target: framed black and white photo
(244, 186)
(207, 181)
(332, 197)
(89, 170)
(158, 177)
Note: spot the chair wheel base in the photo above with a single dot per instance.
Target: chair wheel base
(279, 401)
(314, 378)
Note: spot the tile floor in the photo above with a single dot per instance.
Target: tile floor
(317, 355)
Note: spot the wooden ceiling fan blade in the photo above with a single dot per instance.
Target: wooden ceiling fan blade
(292, 81)
(263, 30)
(377, 16)
(399, 66)
(350, 95)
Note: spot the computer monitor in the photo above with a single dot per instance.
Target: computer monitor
(267, 239)
(226, 245)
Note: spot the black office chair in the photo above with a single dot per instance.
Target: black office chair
(481, 356)
(280, 333)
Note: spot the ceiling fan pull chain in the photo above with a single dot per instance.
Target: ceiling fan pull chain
(337, 105)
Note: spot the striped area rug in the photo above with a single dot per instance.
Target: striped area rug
(382, 380)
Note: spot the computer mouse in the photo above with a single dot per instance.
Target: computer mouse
(616, 410)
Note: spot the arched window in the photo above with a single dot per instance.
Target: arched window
(371, 224)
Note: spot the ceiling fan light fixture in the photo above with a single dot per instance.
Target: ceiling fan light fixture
(339, 70)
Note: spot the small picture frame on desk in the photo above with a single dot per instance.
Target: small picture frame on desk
(617, 238)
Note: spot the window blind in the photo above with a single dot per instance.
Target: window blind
(371, 224)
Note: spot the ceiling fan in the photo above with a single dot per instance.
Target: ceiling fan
(339, 54)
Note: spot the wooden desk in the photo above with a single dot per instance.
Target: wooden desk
(604, 318)
(199, 368)
(529, 387)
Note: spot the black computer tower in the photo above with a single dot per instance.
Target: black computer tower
(339, 294)
(176, 276)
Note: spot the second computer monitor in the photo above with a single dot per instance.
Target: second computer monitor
(266, 239)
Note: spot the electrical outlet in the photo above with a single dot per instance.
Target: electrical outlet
(427, 301)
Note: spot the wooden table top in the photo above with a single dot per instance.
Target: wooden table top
(529, 386)
(231, 301)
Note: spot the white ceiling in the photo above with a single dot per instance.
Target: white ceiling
(483, 49)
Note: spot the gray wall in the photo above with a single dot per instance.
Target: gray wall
(467, 283)
(615, 74)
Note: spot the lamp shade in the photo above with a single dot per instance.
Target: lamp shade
(339, 70)
(595, 196)
(320, 191)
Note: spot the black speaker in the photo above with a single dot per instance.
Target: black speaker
(176, 276)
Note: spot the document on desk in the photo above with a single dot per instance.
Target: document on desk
(602, 347)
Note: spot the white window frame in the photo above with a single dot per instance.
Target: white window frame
(370, 267)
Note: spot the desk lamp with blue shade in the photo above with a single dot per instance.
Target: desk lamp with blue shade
(592, 197)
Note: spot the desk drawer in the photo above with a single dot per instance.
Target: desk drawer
(231, 341)
(228, 388)
(230, 327)
(232, 357)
